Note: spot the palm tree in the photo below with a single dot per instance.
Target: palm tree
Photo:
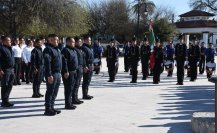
(147, 5)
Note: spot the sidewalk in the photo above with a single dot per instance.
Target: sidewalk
(118, 107)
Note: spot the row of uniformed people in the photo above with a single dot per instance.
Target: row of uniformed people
(192, 57)
(74, 62)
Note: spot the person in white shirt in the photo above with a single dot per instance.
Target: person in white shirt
(22, 45)
(26, 55)
(17, 57)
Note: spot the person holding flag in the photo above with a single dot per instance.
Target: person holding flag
(151, 43)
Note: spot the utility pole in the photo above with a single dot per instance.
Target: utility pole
(138, 19)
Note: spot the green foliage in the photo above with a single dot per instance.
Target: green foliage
(164, 30)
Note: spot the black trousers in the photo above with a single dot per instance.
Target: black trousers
(17, 70)
(7, 84)
(77, 83)
(180, 70)
(52, 90)
(134, 71)
(202, 64)
(27, 72)
(156, 72)
(23, 70)
(86, 80)
(69, 85)
(126, 63)
(145, 67)
(193, 69)
(37, 79)
(111, 70)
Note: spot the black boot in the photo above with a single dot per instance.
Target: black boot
(70, 107)
(49, 112)
(85, 94)
(55, 110)
(6, 104)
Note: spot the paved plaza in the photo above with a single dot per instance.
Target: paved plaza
(118, 107)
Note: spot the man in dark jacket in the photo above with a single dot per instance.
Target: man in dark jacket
(6, 71)
(134, 59)
(37, 68)
(69, 73)
(53, 66)
(88, 69)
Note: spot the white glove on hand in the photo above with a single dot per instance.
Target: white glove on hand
(198, 63)
(186, 63)
(175, 63)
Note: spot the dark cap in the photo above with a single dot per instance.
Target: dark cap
(134, 39)
(181, 36)
(194, 38)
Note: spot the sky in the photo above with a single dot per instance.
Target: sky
(179, 6)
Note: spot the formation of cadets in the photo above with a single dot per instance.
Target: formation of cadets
(154, 59)
(34, 60)
(37, 60)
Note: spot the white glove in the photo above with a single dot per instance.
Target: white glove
(175, 63)
(186, 63)
(198, 63)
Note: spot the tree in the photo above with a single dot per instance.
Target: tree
(205, 5)
(111, 18)
(25, 17)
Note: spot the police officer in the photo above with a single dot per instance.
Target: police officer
(88, 69)
(194, 58)
(169, 56)
(134, 59)
(126, 56)
(81, 65)
(53, 66)
(37, 68)
(202, 58)
(69, 74)
(210, 57)
(112, 60)
(97, 50)
(180, 57)
(145, 52)
(6, 71)
(158, 61)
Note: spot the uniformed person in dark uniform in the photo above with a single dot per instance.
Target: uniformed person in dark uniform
(202, 58)
(169, 56)
(88, 69)
(180, 57)
(69, 71)
(134, 59)
(112, 60)
(210, 57)
(81, 65)
(6, 71)
(37, 68)
(53, 66)
(126, 56)
(145, 52)
(158, 61)
(194, 58)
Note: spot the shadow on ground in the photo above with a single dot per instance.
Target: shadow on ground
(190, 99)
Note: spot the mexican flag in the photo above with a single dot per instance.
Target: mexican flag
(151, 42)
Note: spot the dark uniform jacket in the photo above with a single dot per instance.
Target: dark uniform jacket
(52, 59)
(37, 59)
(145, 52)
(134, 54)
(112, 54)
(69, 59)
(180, 52)
(158, 55)
(80, 54)
(88, 54)
(194, 53)
(6, 58)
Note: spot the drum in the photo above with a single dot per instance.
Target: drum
(168, 65)
(211, 66)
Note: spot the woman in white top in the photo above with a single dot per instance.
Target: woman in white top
(17, 57)
(26, 55)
